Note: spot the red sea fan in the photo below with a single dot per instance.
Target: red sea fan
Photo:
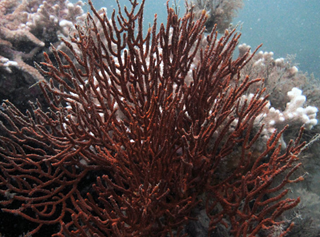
(141, 131)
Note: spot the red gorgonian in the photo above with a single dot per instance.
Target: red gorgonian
(143, 133)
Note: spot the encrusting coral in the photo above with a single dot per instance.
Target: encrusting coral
(145, 134)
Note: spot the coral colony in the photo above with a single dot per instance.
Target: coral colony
(27, 28)
(146, 135)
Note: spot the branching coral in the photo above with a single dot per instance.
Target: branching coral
(142, 131)
(282, 78)
(220, 12)
(26, 29)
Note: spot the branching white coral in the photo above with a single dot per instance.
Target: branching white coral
(293, 114)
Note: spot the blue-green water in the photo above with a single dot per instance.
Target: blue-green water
(286, 27)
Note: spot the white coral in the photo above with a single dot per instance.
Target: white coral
(294, 113)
